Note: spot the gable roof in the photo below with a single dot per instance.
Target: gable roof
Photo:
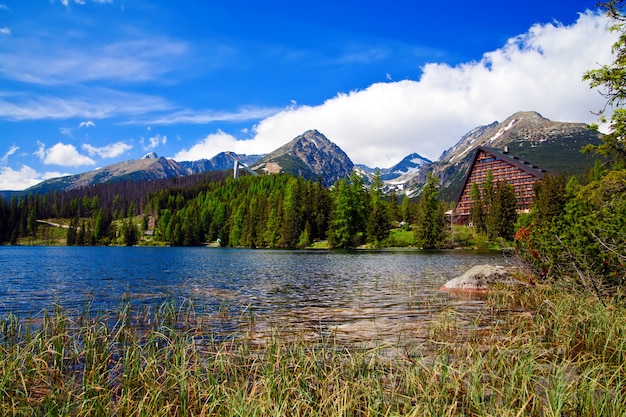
(526, 166)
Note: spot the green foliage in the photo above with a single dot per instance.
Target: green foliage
(550, 198)
(610, 79)
(378, 218)
(585, 245)
(429, 229)
(277, 211)
(494, 208)
(130, 234)
(400, 238)
(347, 226)
(503, 213)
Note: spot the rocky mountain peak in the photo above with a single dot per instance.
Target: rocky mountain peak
(310, 155)
(554, 146)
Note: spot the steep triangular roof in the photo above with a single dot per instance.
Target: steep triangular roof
(526, 166)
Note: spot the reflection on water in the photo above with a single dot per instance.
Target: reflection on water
(353, 296)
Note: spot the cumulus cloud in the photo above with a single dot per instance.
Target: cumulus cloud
(109, 151)
(15, 180)
(5, 31)
(218, 142)
(23, 177)
(540, 70)
(62, 154)
(88, 123)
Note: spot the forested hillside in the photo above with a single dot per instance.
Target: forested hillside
(109, 201)
(274, 211)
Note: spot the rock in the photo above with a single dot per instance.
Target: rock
(481, 278)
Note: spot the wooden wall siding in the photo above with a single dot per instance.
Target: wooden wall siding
(521, 180)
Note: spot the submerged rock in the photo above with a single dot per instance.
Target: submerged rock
(482, 278)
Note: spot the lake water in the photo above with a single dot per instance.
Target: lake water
(356, 295)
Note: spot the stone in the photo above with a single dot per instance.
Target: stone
(482, 278)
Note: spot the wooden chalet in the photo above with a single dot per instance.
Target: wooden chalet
(504, 166)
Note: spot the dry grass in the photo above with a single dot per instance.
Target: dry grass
(548, 354)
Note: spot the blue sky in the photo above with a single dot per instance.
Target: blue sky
(87, 83)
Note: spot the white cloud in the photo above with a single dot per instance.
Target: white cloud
(23, 178)
(5, 31)
(11, 151)
(100, 103)
(53, 61)
(63, 154)
(108, 151)
(66, 3)
(540, 70)
(15, 180)
(88, 123)
(66, 131)
(218, 142)
(208, 116)
(153, 142)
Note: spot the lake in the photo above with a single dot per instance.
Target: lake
(352, 295)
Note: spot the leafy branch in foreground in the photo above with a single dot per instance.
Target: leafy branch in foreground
(610, 79)
(584, 245)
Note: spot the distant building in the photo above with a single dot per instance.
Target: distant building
(520, 174)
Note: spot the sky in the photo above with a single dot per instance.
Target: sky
(88, 83)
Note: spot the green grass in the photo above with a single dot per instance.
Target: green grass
(545, 354)
(400, 238)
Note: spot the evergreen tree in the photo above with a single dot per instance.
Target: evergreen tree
(71, 232)
(504, 211)
(347, 225)
(377, 227)
(406, 210)
(130, 235)
(32, 224)
(80, 236)
(394, 209)
(429, 228)
(550, 198)
(292, 224)
(585, 245)
(610, 78)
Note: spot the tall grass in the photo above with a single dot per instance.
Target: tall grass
(535, 353)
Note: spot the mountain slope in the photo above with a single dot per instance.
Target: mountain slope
(220, 162)
(310, 155)
(149, 167)
(408, 166)
(554, 146)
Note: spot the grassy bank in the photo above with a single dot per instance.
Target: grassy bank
(547, 354)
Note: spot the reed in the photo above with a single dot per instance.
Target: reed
(535, 353)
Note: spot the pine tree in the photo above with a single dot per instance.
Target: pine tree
(348, 218)
(378, 218)
(429, 229)
(505, 205)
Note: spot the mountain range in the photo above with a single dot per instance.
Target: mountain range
(554, 146)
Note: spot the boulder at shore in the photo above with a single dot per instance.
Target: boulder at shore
(482, 278)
